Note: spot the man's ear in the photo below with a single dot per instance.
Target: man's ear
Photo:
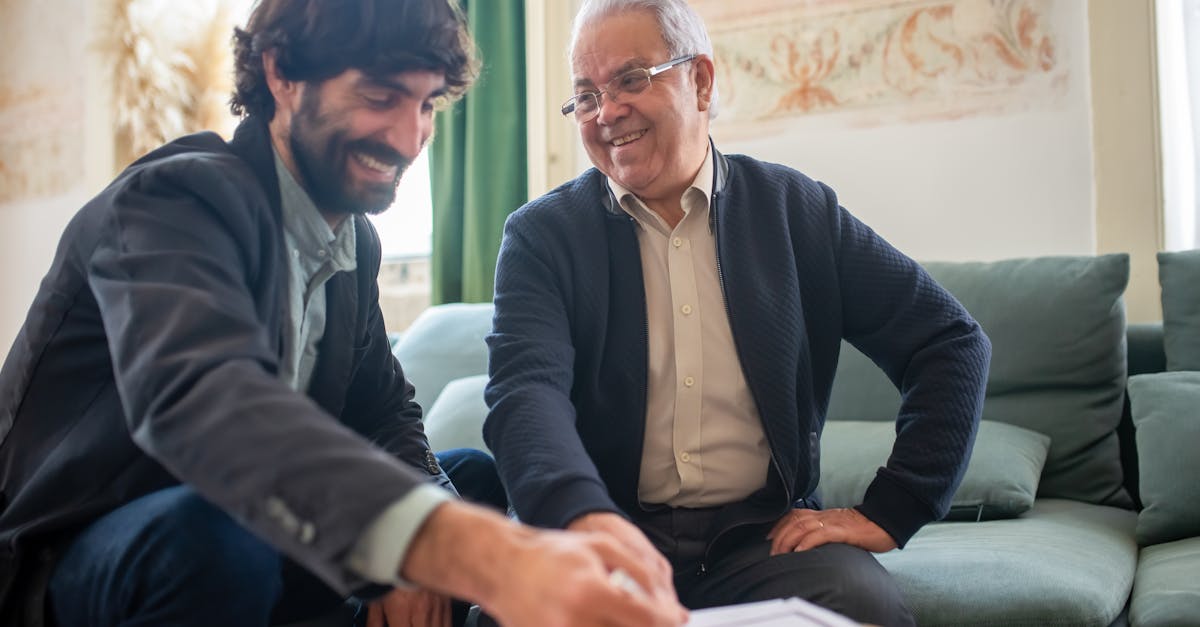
(704, 75)
(286, 92)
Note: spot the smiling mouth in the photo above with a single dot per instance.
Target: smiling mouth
(375, 165)
(625, 139)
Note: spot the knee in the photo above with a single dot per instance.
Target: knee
(467, 462)
(839, 577)
(474, 475)
(861, 589)
(877, 604)
(194, 541)
(169, 557)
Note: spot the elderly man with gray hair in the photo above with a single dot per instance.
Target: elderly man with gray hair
(666, 334)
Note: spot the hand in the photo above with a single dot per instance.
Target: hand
(662, 586)
(524, 577)
(803, 529)
(562, 579)
(409, 608)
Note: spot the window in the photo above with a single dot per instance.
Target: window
(406, 234)
(406, 228)
(1179, 103)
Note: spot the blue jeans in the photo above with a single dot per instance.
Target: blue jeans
(172, 558)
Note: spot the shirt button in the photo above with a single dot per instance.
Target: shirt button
(685, 457)
(686, 309)
(321, 253)
(677, 242)
(689, 381)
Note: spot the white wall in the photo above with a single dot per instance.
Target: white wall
(31, 230)
(47, 161)
(973, 189)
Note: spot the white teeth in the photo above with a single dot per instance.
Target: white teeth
(373, 163)
(625, 139)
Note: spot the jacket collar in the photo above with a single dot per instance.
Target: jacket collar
(252, 142)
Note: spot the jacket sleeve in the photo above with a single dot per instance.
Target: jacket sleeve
(531, 423)
(934, 353)
(175, 272)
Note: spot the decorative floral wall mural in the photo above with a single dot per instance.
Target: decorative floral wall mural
(911, 58)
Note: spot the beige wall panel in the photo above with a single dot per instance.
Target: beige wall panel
(1127, 159)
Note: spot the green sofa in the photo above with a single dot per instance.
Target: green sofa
(1048, 527)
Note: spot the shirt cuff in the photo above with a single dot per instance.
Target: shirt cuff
(380, 550)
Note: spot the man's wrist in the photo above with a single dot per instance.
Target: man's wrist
(457, 538)
(385, 541)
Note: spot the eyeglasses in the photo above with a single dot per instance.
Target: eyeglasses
(586, 106)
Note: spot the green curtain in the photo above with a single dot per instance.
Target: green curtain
(477, 158)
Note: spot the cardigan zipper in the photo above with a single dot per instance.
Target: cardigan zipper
(714, 226)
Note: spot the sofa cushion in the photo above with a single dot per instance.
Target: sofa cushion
(1146, 353)
(1166, 414)
(1000, 482)
(1062, 563)
(1179, 276)
(1057, 326)
(456, 418)
(1166, 590)
(444, 343)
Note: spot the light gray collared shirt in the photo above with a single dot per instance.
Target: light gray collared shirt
(316, 253)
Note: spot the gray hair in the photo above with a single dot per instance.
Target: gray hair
(681, 28)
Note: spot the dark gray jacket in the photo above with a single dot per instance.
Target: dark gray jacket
(150, 357)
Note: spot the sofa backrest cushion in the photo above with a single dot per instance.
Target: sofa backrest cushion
(1057, 326)
(1166, 412)
(1001, 480)
(444, 343)
(1179, 276)
(455, 420)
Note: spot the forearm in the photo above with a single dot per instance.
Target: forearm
(940, 412)
(461, 550)
(386, 540)
(540, 457)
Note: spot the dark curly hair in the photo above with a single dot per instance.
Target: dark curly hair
(315, 40)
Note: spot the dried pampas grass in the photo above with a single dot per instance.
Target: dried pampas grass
(171, 71)
(211, 74)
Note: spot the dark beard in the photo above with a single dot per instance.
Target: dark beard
(322, 156)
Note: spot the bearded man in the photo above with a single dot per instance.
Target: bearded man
(201, 420)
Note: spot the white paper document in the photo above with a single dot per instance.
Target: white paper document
(774, 613)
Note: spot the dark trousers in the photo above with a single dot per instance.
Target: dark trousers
(840, 577)
(172, 558)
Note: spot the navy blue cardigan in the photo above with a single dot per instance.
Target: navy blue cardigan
(568, 350)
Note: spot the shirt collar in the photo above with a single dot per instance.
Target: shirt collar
(303, 221)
